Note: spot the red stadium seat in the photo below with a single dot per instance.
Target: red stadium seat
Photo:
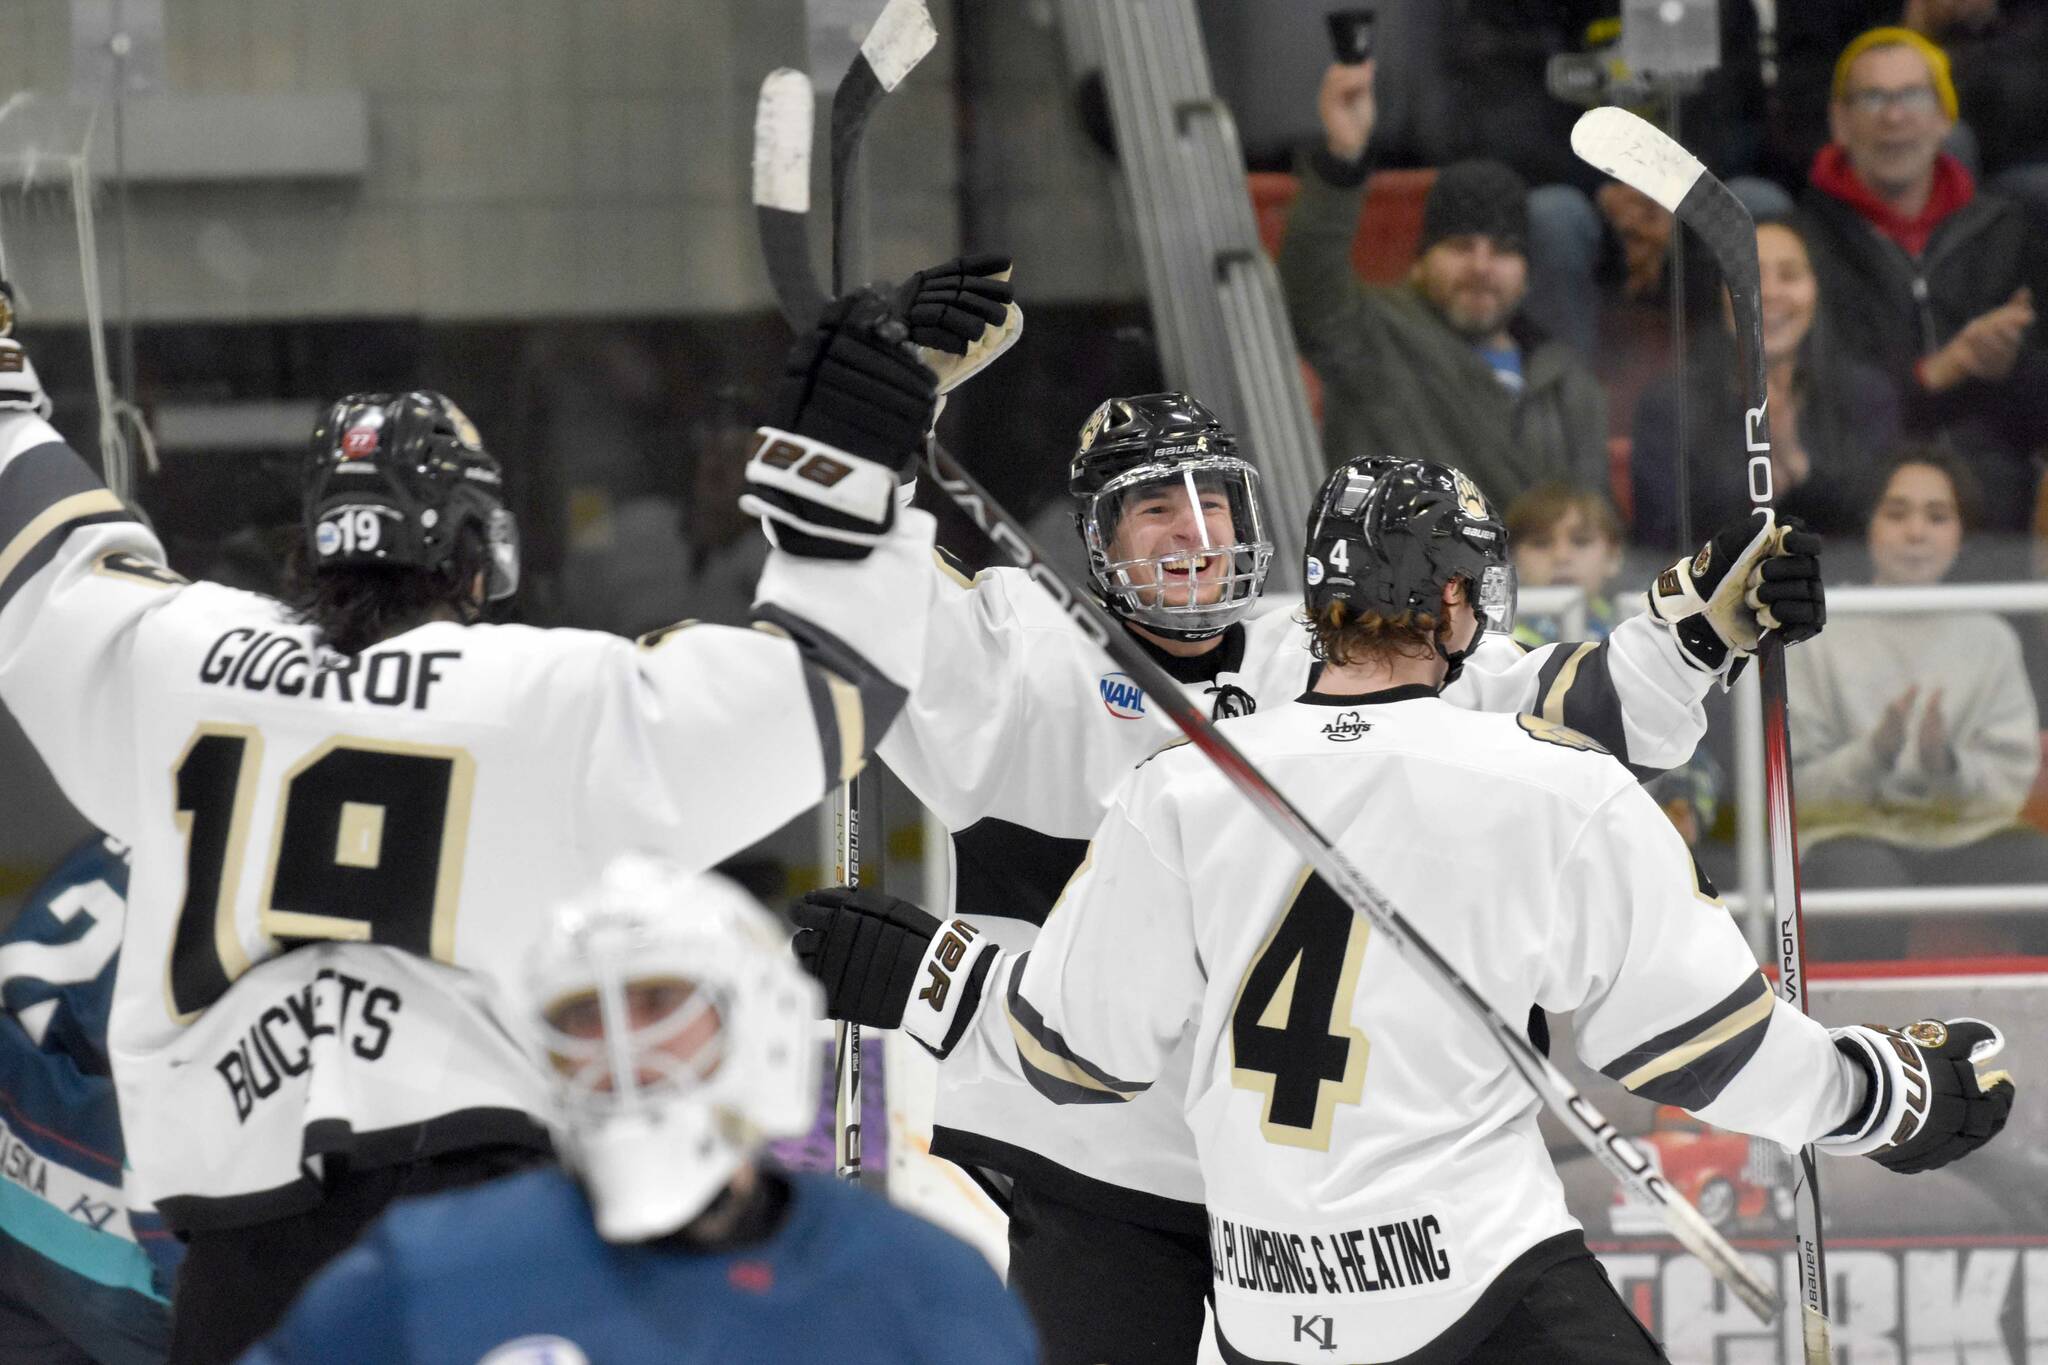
(1389, 224)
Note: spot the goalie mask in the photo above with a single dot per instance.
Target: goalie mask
(1387, 536)
(1170, 514)
(679, 1035)
(394, 479)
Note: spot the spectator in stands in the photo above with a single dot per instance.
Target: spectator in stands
(2000, 52)
(1565, 537)
(1922, 275)
(1918, 738)
(1830, 414)
(1441, 367)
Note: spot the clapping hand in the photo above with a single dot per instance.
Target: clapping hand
(1936, 754)
(1889, 738)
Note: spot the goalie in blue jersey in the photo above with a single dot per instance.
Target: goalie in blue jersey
(679, 1034)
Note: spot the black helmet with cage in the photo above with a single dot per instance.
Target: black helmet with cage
(395, 481)
(1166, 455)
(1388, 535)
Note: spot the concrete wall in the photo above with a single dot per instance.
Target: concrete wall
(528, 157)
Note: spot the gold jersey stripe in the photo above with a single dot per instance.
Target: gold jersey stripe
(55, 515)
(1709, 1038)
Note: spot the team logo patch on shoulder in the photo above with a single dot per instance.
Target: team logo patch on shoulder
(543, 1350)
(1550, 732)
(1121, 696)
(1346, 728)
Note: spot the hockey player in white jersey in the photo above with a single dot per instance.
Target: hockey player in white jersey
(350, 815)
(1018, 736)
(1376, 1184)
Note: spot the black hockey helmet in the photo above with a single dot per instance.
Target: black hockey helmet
(1388, 534)
(393, 479)
(1167, 445)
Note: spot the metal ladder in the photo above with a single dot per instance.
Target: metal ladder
(1224, 335)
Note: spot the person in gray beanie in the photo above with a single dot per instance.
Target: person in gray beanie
(1442, 366)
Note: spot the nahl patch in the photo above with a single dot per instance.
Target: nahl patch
(1346, 728)
(1121, 696)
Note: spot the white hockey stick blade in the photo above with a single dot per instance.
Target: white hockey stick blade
(901, 37)
(1636, 152)
(783, 120)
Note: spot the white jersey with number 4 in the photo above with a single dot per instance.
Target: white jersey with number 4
(1370, 1161)
(1021, 731)
(339, 862)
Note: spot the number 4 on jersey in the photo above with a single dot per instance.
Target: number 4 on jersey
(1290, 1035)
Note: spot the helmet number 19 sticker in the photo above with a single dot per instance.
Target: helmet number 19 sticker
(350, 530)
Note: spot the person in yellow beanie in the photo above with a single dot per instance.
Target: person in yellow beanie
(1922, 275)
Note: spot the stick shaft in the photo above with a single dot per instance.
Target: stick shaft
(852, 102)
(1729, 232)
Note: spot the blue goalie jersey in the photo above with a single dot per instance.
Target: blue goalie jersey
(84, 1264)
(514, 1273)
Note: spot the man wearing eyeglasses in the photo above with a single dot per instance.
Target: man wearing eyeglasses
(1920, 273)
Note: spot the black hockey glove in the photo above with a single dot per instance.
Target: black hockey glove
(1755, 576)
(20, 390)
(851, 415)
(880, 958)
(961, 315)
(1928, 1103)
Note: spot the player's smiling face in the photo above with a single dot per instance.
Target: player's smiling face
(1181, 534)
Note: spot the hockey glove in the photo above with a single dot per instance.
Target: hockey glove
(20, 390)
(961, 315)
(852, 410)
(886, 963)
(1928, 1103)
(1752, 577)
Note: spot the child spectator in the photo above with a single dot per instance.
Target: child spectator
(1829, 414)
(1917, 737)
(1564, 536)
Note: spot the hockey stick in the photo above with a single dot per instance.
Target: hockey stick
(901, 36)
(1620, 1156)
(782, 193)
(1638, 154)
(782, 202)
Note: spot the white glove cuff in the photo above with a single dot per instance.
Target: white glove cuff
(821, 474)
(20, 389)
(948, 988)
(1885, 1108)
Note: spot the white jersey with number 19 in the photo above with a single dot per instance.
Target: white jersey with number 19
(339, 860)
(1370, 1162)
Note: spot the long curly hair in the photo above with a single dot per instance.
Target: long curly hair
(356, 607)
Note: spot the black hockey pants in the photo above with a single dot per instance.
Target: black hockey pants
(1552, 1305)
(1101, 1289)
